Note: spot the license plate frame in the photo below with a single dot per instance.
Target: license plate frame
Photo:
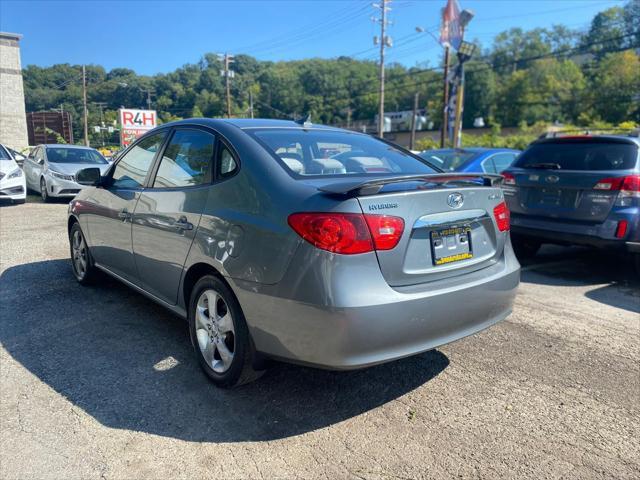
(451, 245)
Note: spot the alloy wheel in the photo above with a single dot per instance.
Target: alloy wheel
(79, 253)
(215, 331)
(43, 189)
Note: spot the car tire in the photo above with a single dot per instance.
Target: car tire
(82, 263)
(43, 191)
(525, 247)
(637, 263)
(220, 337)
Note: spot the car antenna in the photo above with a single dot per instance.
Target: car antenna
(305, 120)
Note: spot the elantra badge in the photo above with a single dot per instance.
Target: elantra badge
(455, 200)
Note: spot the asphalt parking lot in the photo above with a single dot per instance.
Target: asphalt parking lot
(101, 383)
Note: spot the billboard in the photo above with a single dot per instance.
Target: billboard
(135, 123)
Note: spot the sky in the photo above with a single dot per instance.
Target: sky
(157, 36)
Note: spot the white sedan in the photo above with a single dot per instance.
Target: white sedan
(12, 179)
(51, 169)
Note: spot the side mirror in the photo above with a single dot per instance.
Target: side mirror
(89, 176)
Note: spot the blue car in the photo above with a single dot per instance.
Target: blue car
(487, 160)
(577, 190)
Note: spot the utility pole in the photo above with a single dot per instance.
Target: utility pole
(445, 97)
(251, 102)
(384, 42)
(149, 92)
(101, 106)
(412, 141)
(228, 74)
(84, 103)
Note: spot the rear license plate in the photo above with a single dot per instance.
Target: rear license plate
(451, 245)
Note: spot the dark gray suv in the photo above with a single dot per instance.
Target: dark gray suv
(298, 242)
(576, 190)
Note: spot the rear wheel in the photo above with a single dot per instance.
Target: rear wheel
(81, 260)
(43, 190)
(525, 247)
(219, 334)
(637, 263)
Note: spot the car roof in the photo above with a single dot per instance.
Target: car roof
(593, 138)
(471, 150)
(65, 145)
(251, 123)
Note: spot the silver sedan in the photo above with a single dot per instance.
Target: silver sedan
(51, 169)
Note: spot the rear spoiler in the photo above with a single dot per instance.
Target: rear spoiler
(373, 186)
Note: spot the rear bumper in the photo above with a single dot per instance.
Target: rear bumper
(598, 235)
(382, 323)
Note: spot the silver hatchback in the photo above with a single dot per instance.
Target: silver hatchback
(293, 241)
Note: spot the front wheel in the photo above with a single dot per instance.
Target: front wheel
(43, 191)
(81, 260)
(219, 334)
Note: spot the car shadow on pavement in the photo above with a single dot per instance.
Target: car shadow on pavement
(129, 364)
(618, 283)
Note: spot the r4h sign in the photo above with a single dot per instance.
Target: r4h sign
(135, 123)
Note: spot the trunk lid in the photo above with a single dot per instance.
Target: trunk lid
(449, 230)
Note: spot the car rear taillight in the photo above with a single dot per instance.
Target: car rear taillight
(630, 183)
(509, 178)
(385, 230)
(627, 187)
(335, 232)
(348, 233)
(502, 216)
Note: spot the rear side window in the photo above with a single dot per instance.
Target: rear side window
(132, 168)
(502, 161)
(187, 160)
(317, 153)
(580, 156)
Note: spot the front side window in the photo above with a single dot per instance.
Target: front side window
(187, 160)
(132, 168)
(448, 160)
(306, 153)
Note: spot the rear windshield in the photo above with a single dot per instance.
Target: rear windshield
(74, 155)
(320, 153)
(448, 161)
(579, 156)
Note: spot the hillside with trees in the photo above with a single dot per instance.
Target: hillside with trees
(526, 76)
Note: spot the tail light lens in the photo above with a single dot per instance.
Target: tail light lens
(385, 230)
(348, 233)
(335, 232)
(627, 187)
(509, 179)
(502, 216)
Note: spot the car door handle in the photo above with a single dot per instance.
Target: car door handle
(183, 224)
(124, 215)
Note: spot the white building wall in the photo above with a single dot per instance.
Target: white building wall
(13, 120)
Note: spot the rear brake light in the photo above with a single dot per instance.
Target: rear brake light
(621, 229)
(509, 179)
(630, 183)
(385, 230)
(348, 233)
(502, 216)
(345, 233)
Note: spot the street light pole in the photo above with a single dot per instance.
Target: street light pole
(384, 42)
(445, 97)
(84, 104)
